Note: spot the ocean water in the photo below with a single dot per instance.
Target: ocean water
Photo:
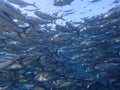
(60, 45)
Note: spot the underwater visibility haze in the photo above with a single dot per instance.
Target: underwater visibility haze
(59, 45)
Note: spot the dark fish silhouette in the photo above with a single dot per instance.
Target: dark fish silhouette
(62, 2)
(22, 3)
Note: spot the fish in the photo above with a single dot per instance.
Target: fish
(64, 29)
(70, 10)
(46, 76)
(66, 14)
(11, 10)
(61, 37)
(37, 88)
(62, 2)
(38, 50)
(6, 17)
(6, 21)
(12, 35)
(32, 9)
(62, 83)
(22, 3)
(37, 21)
(89, 44)
(95, 85)
(23, 38)
(108, 66)
(4, 63)
(15, 46)
(94, 1)
(14, 66)
(47, 16)
(113, 60)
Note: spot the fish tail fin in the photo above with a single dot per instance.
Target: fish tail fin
(78, 33)
(34, 4)
(61, 17)
(54, 22)
(19, 34)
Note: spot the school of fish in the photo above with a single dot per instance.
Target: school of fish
(34, 55)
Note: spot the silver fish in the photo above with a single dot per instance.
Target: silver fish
(108, 66)
(62, 37)
(61, 83)
(6, 24)
(37, 21)
(14, 66)
(37, 88)
(15, 47)
(46, 76)
(22, 3)
(11, 10)
(25, 39)
(4, 63)
(47, 16)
